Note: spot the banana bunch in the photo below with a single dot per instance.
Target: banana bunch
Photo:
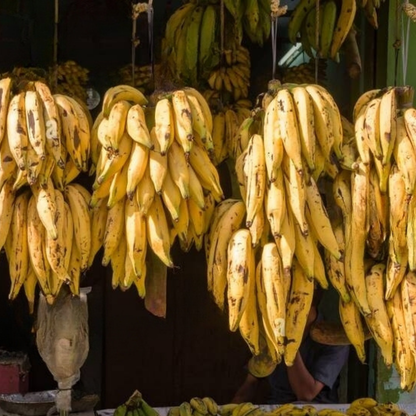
(143, 79)
(154, 179)
(304, 73)
(263, 246)
(69, 78)
(197, 406)
(234, 78)
(18, 74)
(135, 406)
(47, 238)
(226, 126)
(375, 195)
(251, 17)
(190, 47)
(48, 136)
(334, 25)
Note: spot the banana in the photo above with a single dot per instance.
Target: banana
(363, 100)
(327, 29)
(121, 93)
(275, 202)
(355, 244)
(178, 169)
(318, 219)
(305, 115)
(402, 344)
(378, 321)
(118, 187)
(98, 222)
(409, 116)
(116, 125)
(408, 301)
(405, 156)
(35, 123)
(323, 119)
(45, 203)
(74, 269)
(29, 286)
(199, 124)
(118, 260)
(35, 238)
(297, 17)
(83, 117)
(52, 122)
(228, 223)
(367, 402)
(136, 125)
(145, 193)
(158, 231)
(212, 406)
(203, 104)
(206, 171)
(81, 223)
(171, 197)
(351, 321)
(273, 142)
(95, 145)
(17, 130)
(218, 136)
(255, 169)
(372, 126)
(344, 23)
(240, 272)
(157, 165)
(287, 242)
(164, 127)
(5, 91)
(137, 165)
(335, 268)
(300, 300)
(183, 120)
(8, 165)
(295, 192)
(276, 285)
(114, 230)
(193, 34)
(17, 246)
(388, 123)
(288, 126)
(135, 234)
(207, 38)
(361, 138)
(56, 249)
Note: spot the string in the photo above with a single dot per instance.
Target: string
(273, 34)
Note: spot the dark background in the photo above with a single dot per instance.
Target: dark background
(191, 352)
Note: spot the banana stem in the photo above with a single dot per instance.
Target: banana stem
(404, 96)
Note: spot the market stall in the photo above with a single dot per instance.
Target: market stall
(202, 169)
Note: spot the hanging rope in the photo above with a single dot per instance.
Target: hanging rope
(405, 43)
(317, 35)
(55, 44)
(222, 31)
(397, 43)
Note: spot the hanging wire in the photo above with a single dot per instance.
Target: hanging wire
(405, 43)
(317, 35)
(55, 44)
(150, 26)
(275, 12)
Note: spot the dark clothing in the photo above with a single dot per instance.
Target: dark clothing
(324, 362)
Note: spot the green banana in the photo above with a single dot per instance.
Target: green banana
(212, 405)
(148, 410)
(121, 410)
(199, 405)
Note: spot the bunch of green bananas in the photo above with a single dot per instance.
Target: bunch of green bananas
(334, 25)
(135, 406)
(251, 17)
(304, 73)
(69, 78)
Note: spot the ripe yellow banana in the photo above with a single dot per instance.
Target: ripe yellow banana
(17, 246)
(137, 165)
(178, 169)
(183, 120)
(300, 300)
(8, 165)
(7, 199)
(171, 196)
(114, 231)
(343, 26)
(17, 130)
(158, 231)
(119, 93)
(145, 193)
(136, 125)
(388, 127)
(5, 89)
(240, 273)
(35, 123)
(275, 203)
